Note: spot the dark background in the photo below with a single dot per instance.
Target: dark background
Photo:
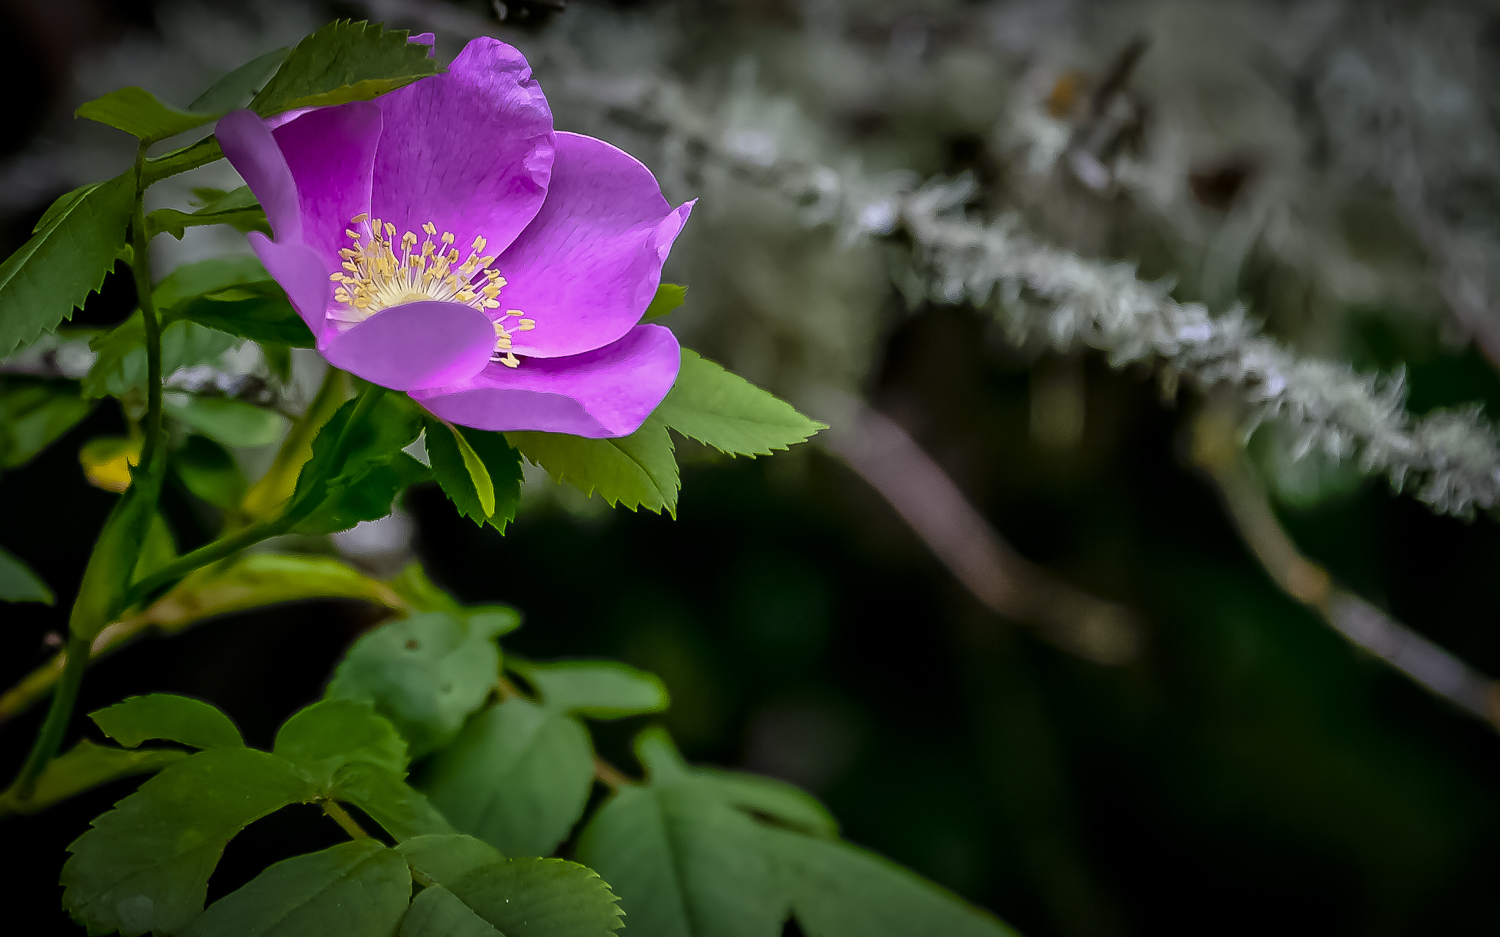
(1250, 771)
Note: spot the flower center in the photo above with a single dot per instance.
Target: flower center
(376, 277)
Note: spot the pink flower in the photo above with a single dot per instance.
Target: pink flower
(445, 241)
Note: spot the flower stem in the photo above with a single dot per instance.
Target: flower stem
(140, 266)
(341, 816)
(49, 737)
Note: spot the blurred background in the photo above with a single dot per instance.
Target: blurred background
(1030, 619)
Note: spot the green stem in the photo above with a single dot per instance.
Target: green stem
(49, 738)
(342, 818)
(141, 267)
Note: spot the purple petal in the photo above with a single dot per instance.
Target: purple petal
(416, 345)
(601, 393)
(253, 152)
(304, 276)
(330, 152)
(587, 267)
(469, 150)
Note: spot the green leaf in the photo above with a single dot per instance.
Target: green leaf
(257, 311)
(174, 222)
(139, 113)
(400, 809)
(668, 297)
(157, 549)
(638, 470)
(144, 866)
(727, 412)
(210, 472)
(54, 272)
(207, 276)
(517, 777)
(518, 898)
(596, 689)
(18, 583)
(479, 472)
(354, 889)
(391, 426)
(478, 893)
(61, 204)
(163, 716)
(342, 62)
(684, 863)
(425, 674)
(121, 366)
(368, 499)
(86, 766)
(236, 89)
(35, 414)
(226, 420)
(838, 890)
(117, 552)
(328, 735)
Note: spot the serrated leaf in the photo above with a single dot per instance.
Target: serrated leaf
(210, 472)
(53, 273)
(727, 412)
(34, 414)
(139, 113)
(260, 579)
(479, 472)
(425, 674)
(639, 470)
(839, 890)
(227, 421)
(86, 766)
(517, 777)
(18, 583)
(239, 86)
(354, 889)
(164, 716)
(367, 499)
(326, 736)
(478, 893)
(596, 689)
(257, 311)
(668, 297)
(342, 62)
(391, 426)
(400, 809)
(144, 866)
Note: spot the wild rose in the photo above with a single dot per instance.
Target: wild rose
(445, 241)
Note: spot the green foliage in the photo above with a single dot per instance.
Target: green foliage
(210, 472)
(400, 809)
(330, 734)
(19, 583)
(344, 61)
(191, 722)
(34, 414)
(356, 889)
(517, 777)
(476, 892)
(257, 311)
(699, 852)
(358, 481)
(180, 160)
(425, 674)
(138, 112)
(237, 208)
(639, 470)
(66, 260)
(240, 85)
(117, 552)
(668, 297)
(727, 412)
(120, 369)
(86, 766)
(479, 472)
(227, 421)
(596, 689)
(144, 866)
(206, 276)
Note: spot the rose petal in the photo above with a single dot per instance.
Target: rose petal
(255, 155)
(330, 152)
(606, 392)
(469, 150)
(304, 276)
(587, 267)
(413, 346)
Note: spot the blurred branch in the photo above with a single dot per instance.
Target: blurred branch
(883, 454)
(1216, 448)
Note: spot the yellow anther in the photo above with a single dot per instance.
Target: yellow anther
(526, 325)
(353, 234)
(362, 216)
(447, 237)
(430, 228)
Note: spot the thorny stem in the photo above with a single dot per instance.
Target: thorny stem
(140, 266)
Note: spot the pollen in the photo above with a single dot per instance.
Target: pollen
(380, 271)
